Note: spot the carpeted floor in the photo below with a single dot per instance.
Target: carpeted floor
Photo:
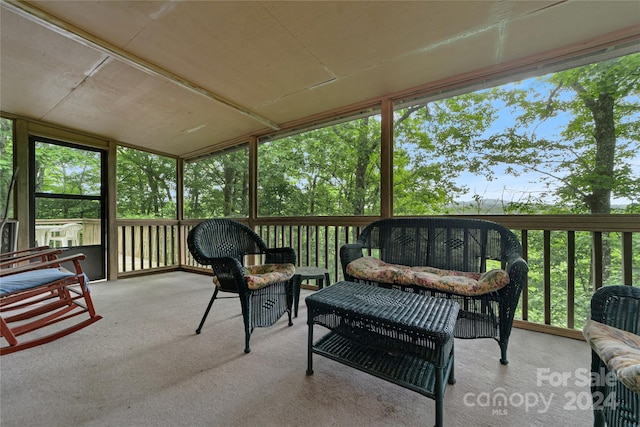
(143, 365)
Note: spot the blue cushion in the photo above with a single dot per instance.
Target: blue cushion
(31, 279)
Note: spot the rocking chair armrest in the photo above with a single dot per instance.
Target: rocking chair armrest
(280, 256)
(75, 259)
(22, 252)
(44, 253)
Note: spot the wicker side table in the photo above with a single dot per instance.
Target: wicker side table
(404, 338)
(319, 274)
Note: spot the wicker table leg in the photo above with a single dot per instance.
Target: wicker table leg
(309, 351)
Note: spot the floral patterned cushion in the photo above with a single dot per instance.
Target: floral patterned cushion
(618, 349)
(259, 276)
(370, 268)
(457, 282)
(462, 284)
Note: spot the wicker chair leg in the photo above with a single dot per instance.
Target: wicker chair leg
(206, 312)
(598, 418)
(245, 302)
(290, 298)
(597, 389)
(503, 352)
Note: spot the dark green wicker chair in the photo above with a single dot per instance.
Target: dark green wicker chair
(224, 244)
(459, 244)
(614, 403)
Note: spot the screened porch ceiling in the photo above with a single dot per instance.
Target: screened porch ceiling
(186, 77)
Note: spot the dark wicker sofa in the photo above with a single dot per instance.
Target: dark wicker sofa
(614, 355)
(456, 244)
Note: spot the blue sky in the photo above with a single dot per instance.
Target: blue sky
(509, 187)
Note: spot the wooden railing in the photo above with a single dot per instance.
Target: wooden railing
(569, 256)
(145, 245)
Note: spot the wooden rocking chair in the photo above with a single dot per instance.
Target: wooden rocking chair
(40, 300)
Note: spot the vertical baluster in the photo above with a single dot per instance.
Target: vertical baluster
(336, 249)
(316, 233)
(547, 275)
(173, 244)
(571, 277)
(133, 248)
(124, 248)
(164, 245)
(142, 227)
(627, 259)
(157, 246)
(597, 259)
(308, 245)
(326, 248)
(524, 236)
(299, 247)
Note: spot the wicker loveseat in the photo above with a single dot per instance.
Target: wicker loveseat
(614, 335)
(474, 262)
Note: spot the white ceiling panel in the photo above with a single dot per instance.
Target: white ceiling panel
(350, 36)
(159, 114)
(236, 48)
(39, 68)
(567, 23)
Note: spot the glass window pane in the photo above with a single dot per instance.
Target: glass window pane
(67, 170)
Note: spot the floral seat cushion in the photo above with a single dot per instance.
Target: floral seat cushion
(457, 282)
(618, 349)
(259, 276)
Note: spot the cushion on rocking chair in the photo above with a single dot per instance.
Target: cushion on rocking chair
(32, 279)
(259, 276)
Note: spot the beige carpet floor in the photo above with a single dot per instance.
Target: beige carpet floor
(143, 365)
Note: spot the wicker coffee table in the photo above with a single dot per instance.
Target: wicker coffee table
(401, 337)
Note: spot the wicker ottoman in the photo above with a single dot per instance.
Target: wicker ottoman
(404, 338)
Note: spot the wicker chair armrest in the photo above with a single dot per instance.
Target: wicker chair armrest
(349, 252)
(617, 306)
(518, 269)
(280, 256)
(230, 274)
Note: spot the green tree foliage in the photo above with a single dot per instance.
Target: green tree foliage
(61, 170)
(146, 185)
(333, 170)
(66, 170)
(6, 162)
(217, 186)
(433, 145)
(588, 160)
